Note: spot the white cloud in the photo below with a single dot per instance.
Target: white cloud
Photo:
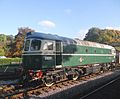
(68, 11)
(46, 24)
(113, 28)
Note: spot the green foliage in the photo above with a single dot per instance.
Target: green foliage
(103, 36)
(93, 34)
(2, 38)
(5, 40)
(2, 53)
(7, 61)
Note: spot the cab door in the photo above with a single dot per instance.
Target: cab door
(48, 55)
(59, 50)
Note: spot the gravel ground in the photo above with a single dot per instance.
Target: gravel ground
(78, 89)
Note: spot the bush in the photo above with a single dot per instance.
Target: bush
(8, 61)
(2, 53)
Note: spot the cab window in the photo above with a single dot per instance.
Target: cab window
(27, 44)
(48, 46)
(35, 45)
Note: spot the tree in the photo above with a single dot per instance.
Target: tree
(17, 45)
(93, 34)
(106, 36)
(9, 43)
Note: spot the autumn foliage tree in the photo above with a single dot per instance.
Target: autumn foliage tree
(17, 45)
(103, 35)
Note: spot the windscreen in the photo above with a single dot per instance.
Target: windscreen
(32, 45)
(27, 44)
(35, 45)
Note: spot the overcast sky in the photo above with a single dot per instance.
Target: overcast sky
(69, 18)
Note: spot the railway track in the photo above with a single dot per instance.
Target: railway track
(19, 92)
(13, 93)
(16, 91)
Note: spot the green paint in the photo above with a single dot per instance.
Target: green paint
(76, 60)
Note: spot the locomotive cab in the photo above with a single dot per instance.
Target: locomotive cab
(31, 48)
(41, 54)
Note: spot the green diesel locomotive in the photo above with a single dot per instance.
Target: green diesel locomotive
(51, 58)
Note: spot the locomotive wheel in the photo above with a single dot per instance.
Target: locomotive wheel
(48, 84)
(48, 81)
(75, 75)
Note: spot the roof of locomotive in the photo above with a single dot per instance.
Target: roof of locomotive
(93, 44)
(49, 37)
(66, 40)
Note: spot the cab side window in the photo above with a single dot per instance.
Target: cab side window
(48, 46)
